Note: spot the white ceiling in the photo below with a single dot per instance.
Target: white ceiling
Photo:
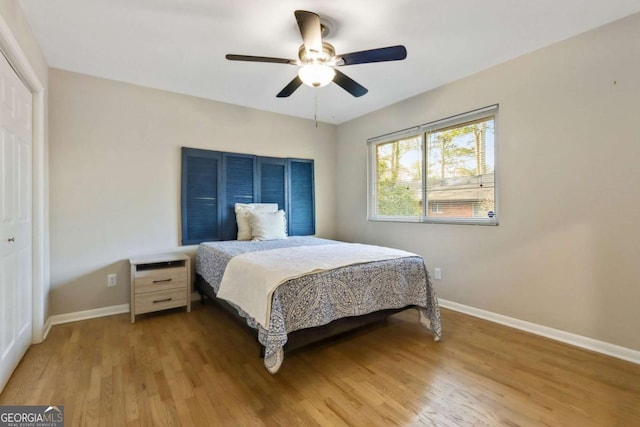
(179, 45)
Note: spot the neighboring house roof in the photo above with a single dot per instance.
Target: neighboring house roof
(465, 188)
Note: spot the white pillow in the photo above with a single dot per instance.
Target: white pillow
(242, 216)
(268, 225)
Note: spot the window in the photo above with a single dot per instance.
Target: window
(443, 171)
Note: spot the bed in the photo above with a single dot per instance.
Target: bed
(320, 302)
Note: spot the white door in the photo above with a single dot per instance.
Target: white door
(15, 220)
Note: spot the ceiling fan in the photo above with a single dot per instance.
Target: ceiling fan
(317, 59)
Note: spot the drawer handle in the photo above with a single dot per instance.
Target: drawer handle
(162, 300)
(161, 281)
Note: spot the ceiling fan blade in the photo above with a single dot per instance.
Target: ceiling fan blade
(310, 30)
(391, 53)
(249, 58)
(290, 88)
(350, 85)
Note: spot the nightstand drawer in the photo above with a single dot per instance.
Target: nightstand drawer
(160, 279)
(159, 282)
(154, 301)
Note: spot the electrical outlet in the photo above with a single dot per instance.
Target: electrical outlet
(112, 280)
(437, 273)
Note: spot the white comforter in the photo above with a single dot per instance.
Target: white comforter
(251, 278)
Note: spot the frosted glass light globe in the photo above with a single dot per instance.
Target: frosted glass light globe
(316, 75)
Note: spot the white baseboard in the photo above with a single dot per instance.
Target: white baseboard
(59, 319)
(555, 334)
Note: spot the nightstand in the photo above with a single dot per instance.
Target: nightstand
(160, 282)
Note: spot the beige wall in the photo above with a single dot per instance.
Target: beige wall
(566, 253)
(115, 175)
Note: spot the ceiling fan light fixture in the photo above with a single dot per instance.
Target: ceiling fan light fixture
(317, 58)
(316, 75)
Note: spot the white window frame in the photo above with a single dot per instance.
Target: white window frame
(420, 131)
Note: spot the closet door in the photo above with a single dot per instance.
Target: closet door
(15, 220)
(272, 176)
(301, 212)
(240, 184)
(200, 193)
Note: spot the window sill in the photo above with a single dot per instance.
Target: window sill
(449, 221)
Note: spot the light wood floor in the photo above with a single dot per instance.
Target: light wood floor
(202, 368)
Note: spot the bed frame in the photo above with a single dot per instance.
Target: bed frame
(302, 337)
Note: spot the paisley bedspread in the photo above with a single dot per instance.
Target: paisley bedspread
(319, 298)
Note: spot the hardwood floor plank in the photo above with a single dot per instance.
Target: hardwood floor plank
(202, 368)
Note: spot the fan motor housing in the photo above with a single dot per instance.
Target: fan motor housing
(328, 54)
